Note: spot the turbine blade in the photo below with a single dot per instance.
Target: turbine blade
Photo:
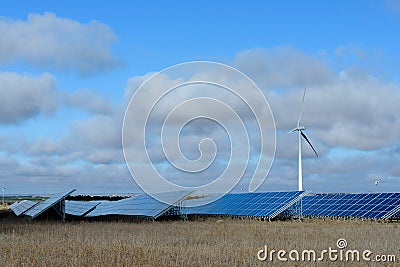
(295, 129)
(308, 141)
(301, 108)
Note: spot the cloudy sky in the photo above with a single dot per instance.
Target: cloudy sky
(69, 69)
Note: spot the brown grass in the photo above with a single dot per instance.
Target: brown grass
(231, 242)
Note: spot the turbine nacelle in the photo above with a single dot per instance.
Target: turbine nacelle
(299, 128)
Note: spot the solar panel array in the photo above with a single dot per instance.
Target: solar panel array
(20, 207)
(379, 205)
(140, 205)
(266, 204)
(80, 208)
(45, 205)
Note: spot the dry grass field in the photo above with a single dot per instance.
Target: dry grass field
(210, 242)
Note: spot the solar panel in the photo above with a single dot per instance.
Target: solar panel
(45, 205)
(20, 207)
(13, 205)
(200, 201)
(141, 205)
(372, 205)
(266, 204)
(80, 208)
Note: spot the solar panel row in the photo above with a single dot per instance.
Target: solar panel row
(47, 204)
(380, 205)
(140, 205)
(267, 204)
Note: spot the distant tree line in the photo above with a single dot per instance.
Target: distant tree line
(90, 198)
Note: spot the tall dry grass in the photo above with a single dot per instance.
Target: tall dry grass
(232, 242)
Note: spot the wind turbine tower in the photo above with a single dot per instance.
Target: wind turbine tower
(300, 128)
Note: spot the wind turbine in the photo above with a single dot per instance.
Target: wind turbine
(300, 128)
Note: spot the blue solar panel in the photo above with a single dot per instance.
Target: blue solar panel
(267, 204)
(140, 205)
(379, 205)
(80, 208)
(200, 200)
(13, 205)
(20, 207)
(48, 203)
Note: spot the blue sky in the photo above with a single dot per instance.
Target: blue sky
(68, 69)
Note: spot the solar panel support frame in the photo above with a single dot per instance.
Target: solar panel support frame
(60, 212)
(177, 210)
(60, 203)
(288, 205)
(178, 205)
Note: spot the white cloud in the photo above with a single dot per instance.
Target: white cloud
(48, 41)
(24, 96)
(349, 110)
(88, 100)
(134, 83)
(282, 67)
(46, 146)
(97, 132)
(106, 156)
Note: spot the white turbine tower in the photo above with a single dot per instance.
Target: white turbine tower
(300, 129)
